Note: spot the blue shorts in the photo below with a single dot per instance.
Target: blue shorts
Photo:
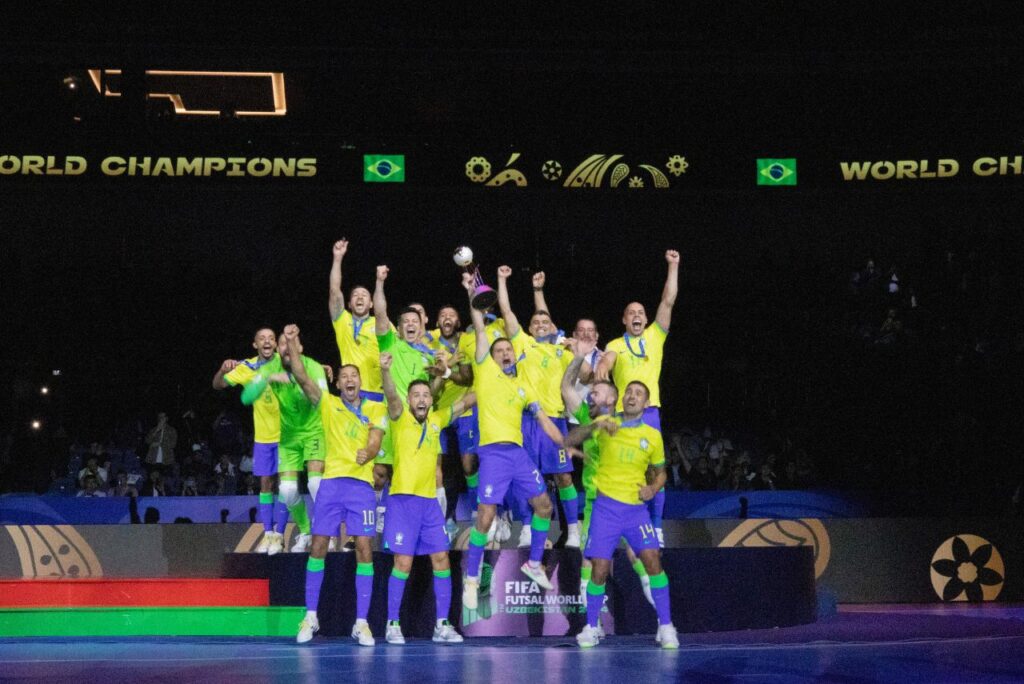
(345, 500)
(613, 520)
(469, 433)
(652, 417)
(505, 466)
(264, 459)
(548, 456)
(414, 526)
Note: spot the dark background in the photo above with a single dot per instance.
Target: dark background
(137, 289)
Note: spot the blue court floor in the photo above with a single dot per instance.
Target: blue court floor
(860, 644)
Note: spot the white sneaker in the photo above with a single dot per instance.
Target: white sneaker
(537, 575)
(667, 636)
(361, 632)
(276, 544)
(588, 637)
(302, 543)
(264, 542)
(525, 537)
(470, 592)
(600, 630)
(645, 585)
(380, 519)
(394, 633)
(573, 540)
(307, 628)
(504, 532)
(444, 633)
(661, 537)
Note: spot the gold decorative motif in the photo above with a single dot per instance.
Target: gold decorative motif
(551, 170)
(636, 182)
(967, 568)
(508, 176)
(478, 169)
(660, 180)
(53, 551)
(677, 165)
(771, 532)
(590, 172)
(618, 174)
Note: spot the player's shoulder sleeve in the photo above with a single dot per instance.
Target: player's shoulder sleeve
(656, 446)
(528, 396)
(616, 345)
(566, 357)
(655, 333)
(343, 320)
(520, 341)
(328, 402)
(387, 340)
(442, 417)
(377, 413)
(315, 371)
(242, 374)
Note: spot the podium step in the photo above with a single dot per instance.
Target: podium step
(97, 622)
(129, 592)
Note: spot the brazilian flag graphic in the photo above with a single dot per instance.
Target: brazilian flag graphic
(383, 168)
(776, 171)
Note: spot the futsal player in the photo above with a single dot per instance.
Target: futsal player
(302, 433)
(637, 355)
(353, 427)
(631, 469)
(266, 418)
(504, 464)
(446, 349)
(541, 363)
(414, 524)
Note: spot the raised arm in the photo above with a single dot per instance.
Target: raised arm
(479, 329)
(604, 367)
(380, 303)
(309, 387)
(511, 322)
(669, 292)
(219, 382)
(572, 373)
(395, 406)
(539, 302)
(336, 300)
(464, 404)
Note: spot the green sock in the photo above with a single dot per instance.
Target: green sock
(639, 569)
(315, 564)
(659, 581)
(473, 480)
(299, 515)
(540, 524)
(585, 573)
(266, 497)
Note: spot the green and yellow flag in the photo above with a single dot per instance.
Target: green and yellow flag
(776, 171)
(383, 168)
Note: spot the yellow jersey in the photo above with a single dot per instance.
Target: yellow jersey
(357, 344)
(416, 446)
(346, 429)
(266, 411)
(501, 400)
(639, 358)
(451, 392)
(541, 367)
(625, 457)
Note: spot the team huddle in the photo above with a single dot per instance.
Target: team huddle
(518, 404)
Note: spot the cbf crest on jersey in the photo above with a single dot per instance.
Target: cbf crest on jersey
(644, 443)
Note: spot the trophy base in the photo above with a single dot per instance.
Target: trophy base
(484, 298)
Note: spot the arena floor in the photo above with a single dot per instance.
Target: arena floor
(928, 643)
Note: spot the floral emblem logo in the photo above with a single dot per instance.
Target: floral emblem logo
(967, 568)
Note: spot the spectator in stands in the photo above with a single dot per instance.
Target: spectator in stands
(189, 488)
(161, 441)
(765, 478)
(245, 465)
(891, 329)
(123, 487)
(702, 477)
(739, 480)
(787, 478)
(91, 487)
(154, 485)
(93, 468)
(225, 470)
(250, 486)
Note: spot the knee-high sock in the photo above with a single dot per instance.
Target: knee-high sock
(364, 588)
(595, 602)
(656, 507)
(539, 534)
(266, 511)
(396, 588)
(313, 482)
(443, 593)
(571, 503)
(472, 482)
(659, 590)
(314, 579)
(477, 542)
(289, 492)
(280, 516)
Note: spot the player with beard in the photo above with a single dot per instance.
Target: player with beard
(541, 363)
(637, 356)
(414, 525)
(446, 390)
(354, 327)
(631, 469)
(501, 400)
(266, 418)
(353, 427)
